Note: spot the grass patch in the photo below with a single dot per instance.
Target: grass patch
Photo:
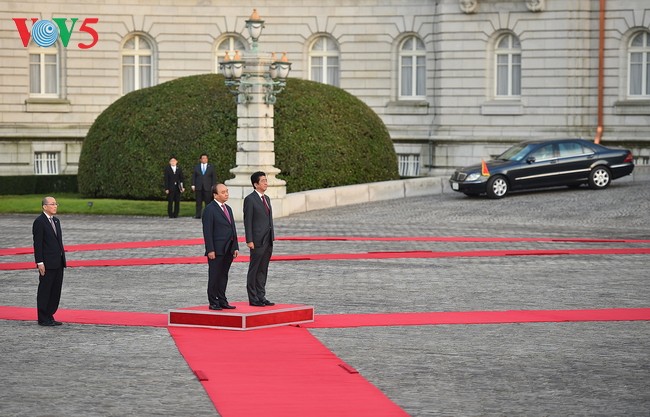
(74, 204)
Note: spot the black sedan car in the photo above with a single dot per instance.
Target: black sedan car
(544, 163)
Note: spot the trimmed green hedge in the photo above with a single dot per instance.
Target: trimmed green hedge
(324, 137)
(37, 184)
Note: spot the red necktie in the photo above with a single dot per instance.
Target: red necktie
(266, 205)
(225, 211)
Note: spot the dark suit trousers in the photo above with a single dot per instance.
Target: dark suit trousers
(174, 197)
(202, 196)
(218, 269)
(258, 269)
(49, 294)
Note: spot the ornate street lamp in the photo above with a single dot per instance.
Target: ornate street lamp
(242, 83)
(255, 24)
(255, 78)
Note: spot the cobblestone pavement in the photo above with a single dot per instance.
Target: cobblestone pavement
(593, 368)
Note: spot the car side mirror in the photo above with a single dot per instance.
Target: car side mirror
(530, 159)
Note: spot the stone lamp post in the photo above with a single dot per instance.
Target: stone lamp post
(255, 78)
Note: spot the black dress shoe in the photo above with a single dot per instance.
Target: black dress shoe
(57, 323)
(227, 306)
(46, 323)
(268, 303)
(215, 307)
(256, 304)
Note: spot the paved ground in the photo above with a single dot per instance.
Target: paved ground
(546, 369)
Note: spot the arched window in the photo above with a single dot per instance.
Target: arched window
(137, 63)
(324, 61)
(639, 71)
(44, 71)
(508, 66)
(412, 68)
(228, 44)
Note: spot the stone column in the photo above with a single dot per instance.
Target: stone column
(255, 137)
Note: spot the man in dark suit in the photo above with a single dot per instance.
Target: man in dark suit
(258, 222)
(173, 187)
(203, 178)
(49, 255)
(221, 246)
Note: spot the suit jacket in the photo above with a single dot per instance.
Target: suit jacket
(48, 247)
(258, 224)
(204, 182)
(173, 180)
(219, 234)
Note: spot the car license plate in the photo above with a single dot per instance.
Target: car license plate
(454, 186)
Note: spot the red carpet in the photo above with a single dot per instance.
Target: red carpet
(199, 241)
(477, 317)
(289, 371)
(108, 246)
(323, 321)
(9, 266)
(280, 372)
(112, 318)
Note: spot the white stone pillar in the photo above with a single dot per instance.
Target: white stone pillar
(255, 137)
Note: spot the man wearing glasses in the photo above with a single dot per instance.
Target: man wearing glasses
(49, 255)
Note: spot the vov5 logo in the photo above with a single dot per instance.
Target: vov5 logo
(45, 33)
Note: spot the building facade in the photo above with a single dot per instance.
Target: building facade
(453, 80)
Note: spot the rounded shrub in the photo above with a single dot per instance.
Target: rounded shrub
(324, 137)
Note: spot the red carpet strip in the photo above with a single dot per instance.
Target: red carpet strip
(111, 318)
(279, 372)
(325, 321)
(199, 241)
(10, 266)
(286, 372)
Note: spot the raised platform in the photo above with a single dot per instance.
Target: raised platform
(244, 317)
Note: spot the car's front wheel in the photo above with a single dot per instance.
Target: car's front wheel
(599, 178)
(497, 187)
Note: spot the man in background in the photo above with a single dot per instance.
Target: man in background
(49, 255)
(221, 246)
(203, 178)
(173, 187)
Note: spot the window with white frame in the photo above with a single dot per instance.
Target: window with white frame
(508, 66)
(324, 61)
(639, 70)
(44, 70)
(137, 64)
(412, 68)
(408, 165)
(46, 163)
(229, 44)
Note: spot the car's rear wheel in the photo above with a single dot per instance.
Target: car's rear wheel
(599, 178)
(497, 187)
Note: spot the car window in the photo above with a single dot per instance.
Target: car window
(543, 153)
(568, 149)
(515, 153)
